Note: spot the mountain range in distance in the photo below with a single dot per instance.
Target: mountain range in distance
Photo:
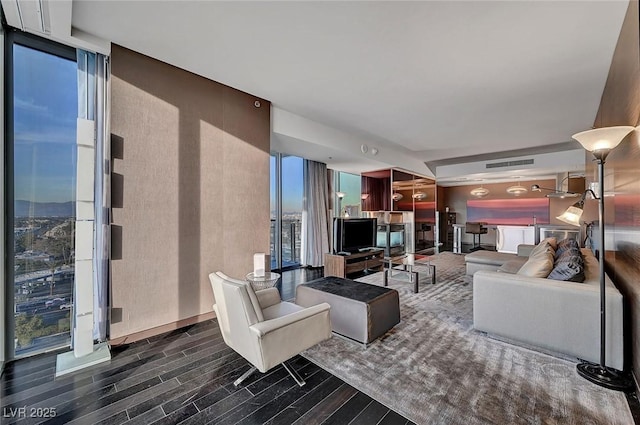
(44, 209)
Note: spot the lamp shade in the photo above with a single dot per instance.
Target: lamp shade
(479, 192)
(572, 214)
(516, 190)
(605, 138)
(419, 196)
(397, 196)
(340, 194)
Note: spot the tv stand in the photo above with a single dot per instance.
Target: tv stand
(348, 265)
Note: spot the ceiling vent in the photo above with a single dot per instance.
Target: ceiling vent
(510, 163)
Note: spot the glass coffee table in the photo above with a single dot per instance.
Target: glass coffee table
(407, 263)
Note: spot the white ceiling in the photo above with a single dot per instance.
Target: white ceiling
(427, 80)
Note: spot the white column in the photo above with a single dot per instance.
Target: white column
(83, 284)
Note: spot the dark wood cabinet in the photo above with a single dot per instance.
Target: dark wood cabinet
(358, 263)
(447, 220)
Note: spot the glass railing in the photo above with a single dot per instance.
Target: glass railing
(291, 231)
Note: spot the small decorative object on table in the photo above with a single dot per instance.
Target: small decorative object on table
(269, 280)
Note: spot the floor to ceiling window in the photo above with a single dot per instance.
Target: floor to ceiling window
(286, 210)
(41, 163)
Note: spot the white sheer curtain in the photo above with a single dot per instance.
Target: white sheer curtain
(92, 207)
(102, 243)
(315, 214)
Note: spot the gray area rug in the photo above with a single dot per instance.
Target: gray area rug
(434, 368)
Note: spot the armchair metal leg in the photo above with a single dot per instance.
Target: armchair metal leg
(244, 376)
(294, 374)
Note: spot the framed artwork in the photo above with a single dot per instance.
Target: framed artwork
(509, 211)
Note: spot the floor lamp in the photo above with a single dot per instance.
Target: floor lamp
(599, 142)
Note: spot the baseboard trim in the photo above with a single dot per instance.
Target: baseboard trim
(138, 336)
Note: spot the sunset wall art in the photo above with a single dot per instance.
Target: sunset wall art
(509, 211)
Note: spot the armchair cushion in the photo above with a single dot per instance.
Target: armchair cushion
(254, 302)
(281, 309)
(268, 297)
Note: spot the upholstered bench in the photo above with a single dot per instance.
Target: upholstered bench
(359, 311)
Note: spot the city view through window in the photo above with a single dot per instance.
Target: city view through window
(292, 206)
(44, 169)
(292, 193)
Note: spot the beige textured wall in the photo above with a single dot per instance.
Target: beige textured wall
(190, 189)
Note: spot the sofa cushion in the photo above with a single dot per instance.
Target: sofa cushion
(568, 266)
(538, 265)
(572, 271)
(512, 266)
(569, 256)
(566, 244)
(488, 257)
(544, 246)
(551, 241)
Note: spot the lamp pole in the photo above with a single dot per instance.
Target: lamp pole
(599, 142)
(600, 374)
(603, 304)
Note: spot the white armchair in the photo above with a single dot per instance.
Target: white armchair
(262, 328)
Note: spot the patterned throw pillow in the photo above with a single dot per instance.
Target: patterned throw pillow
(566, 244)
(572, 271)
(568, 264)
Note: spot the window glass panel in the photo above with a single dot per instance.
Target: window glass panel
(272, 202)
(44, 164)
(292, 179)
(350, 185)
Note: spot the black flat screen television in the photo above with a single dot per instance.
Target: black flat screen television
(351, 235)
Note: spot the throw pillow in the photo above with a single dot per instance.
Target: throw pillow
(572, 271)
(566, 244)
(542, 247)
(551, 241)
(567, 251)
(569, 256)
(539, 265)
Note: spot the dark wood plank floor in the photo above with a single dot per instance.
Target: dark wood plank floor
(185, 376)
(291, 278)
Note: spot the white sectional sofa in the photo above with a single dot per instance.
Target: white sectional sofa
(556, 316)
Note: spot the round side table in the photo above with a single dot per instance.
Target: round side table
(269, 280)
